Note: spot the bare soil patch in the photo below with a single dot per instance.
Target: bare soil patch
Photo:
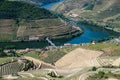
(79, 58)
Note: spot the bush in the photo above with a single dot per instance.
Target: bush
(101, 74)
(94, 69)
(60, 76)
(52, 74)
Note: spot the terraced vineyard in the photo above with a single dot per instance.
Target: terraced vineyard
(45, 27)
(36, 28)
(11, 68)
(7, 30)
(93, 12)
(104, 62)
(26, 22)
(71, 62)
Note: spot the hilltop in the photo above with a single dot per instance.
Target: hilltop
(21, 21)
(105, 13)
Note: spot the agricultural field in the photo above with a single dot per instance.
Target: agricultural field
(103, 13)
(11, 68)
(7, 30)
(51, 56)
(66, 62)
(54, 28)
(27, 24)
(6, 59)
(30, 22)
(109, 48)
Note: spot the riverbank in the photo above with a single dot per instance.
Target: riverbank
(98, 14)
(71, 35)
(37, 43)
(91, 33)
(48, 6)
(110, 30)
(36, 30)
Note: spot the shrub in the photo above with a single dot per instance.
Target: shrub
(101, 74)
(94, 69)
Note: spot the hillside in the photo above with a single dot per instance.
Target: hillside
(104, 13)
(75, 62)
(23, 21)
(22, 10)
(79, 58)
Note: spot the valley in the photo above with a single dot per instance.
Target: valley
(64, 40)
(96, 12)
(25, 27)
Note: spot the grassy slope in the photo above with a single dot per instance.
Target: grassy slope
(99, 12)
(106, 75)
(7, 30)
(51, 56)
(5, 59)
(111, 49)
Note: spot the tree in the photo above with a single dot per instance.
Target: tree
(2, 54)
(1, 49)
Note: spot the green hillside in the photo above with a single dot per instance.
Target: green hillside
(22, 10)
(21, 21)
(104, 13)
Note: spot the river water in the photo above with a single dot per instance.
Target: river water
(48, 6)
(89, 33)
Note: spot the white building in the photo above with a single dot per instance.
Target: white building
(33, 38)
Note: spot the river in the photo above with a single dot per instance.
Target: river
(88, 35)
(48, 6)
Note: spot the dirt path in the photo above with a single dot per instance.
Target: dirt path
(84, 76)
(10, 77)
(111, 79)
(43, 78)
(28, 74)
